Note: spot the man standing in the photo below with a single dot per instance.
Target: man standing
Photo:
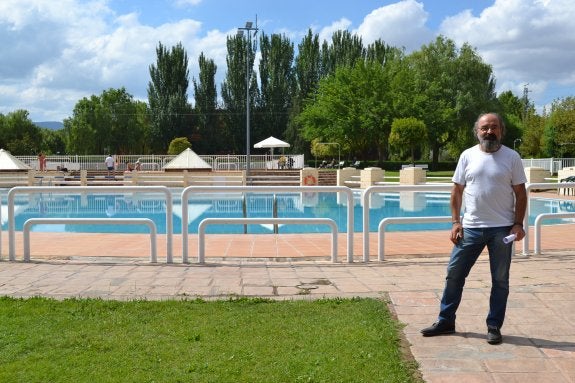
(491, 180)
(109, 161)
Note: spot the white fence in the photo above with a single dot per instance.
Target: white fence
(227, 162)
(550, 164)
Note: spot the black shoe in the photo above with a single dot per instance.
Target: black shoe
(439, 328)
(493, 335)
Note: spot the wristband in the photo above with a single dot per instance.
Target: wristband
(454, 222)
(518, 224)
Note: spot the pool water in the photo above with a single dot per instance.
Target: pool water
(285, 205)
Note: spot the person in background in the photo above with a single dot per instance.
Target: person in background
(109, 161)
(42, 161)
(282, 162)
(138, 166)
(490, 180)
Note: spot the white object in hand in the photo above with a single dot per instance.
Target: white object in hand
(509, 238)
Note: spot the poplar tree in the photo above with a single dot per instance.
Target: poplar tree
(234, 90)
(277, 86)
(167, 96)
(206, 135)
(307, 73)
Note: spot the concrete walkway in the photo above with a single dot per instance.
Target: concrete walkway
(539, 334)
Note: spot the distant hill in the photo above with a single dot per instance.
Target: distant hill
(52, 125)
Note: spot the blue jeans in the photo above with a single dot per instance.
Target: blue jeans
(463, 257)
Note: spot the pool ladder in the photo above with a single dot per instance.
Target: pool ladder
(274, 212)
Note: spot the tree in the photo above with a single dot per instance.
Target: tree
(18, 134)
(277, 85)
(81, 129)
(351, 108)
(206, 105)
(510, 104)
(119, 121)
(234, 90)
(307, 69)
(178, 145)
(381, 53)
(533, 138)
(307, 73)
(324, 149)
(167, 96)
(407, 133)
(560, 128)
(448, 89)
(345, 50)
(143, 142)
(53, 141)
(511, 109)
(110, 122)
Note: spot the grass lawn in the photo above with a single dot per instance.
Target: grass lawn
(238, 340)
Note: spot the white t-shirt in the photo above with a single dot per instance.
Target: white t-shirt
(488, 197)
(109, 162)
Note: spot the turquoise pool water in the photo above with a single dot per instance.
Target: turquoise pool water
(289, 205)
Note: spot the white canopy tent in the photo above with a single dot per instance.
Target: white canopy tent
(271, 143)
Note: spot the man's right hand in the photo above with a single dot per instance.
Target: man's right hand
(456, 232)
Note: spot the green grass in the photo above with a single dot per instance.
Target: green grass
(239, 340)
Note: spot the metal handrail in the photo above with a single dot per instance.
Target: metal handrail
(384, 222)
(269, 189)
(537, 186)
(246, 221)
(88, 189)
(90, 221)
(538, 223)
(390, 188)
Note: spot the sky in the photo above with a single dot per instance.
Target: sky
(54, 53)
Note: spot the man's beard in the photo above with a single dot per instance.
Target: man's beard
(490, 143)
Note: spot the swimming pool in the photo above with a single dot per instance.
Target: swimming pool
(236, 205)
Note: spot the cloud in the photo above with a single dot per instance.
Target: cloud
(36, 32)
(326, 32)
(69, 50)
(186, 3)
(401, 25)
(525, 42)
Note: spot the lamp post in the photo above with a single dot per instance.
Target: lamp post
(515, 142)
(249, 28)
